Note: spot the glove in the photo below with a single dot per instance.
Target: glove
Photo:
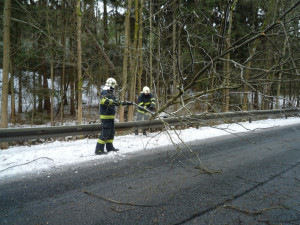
(126, 103)
(152, 109)
(117, 103)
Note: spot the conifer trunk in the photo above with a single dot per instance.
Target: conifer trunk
(79, 59)
(6, 58)
(125, 59)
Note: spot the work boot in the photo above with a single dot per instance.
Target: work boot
(144, 132)
(136, 132)
(100, 149)
(111, 148)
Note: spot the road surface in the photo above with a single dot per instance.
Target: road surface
(250, 178)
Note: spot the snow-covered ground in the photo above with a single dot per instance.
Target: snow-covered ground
(40, 160)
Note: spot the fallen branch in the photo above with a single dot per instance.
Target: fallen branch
(125, 203)
(251, 212)
(25, 163)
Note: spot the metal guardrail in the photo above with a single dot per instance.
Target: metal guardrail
(21, 134)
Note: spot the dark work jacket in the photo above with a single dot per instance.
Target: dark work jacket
(108, 103)
(146, 101)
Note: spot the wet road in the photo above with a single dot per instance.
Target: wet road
(252, 178)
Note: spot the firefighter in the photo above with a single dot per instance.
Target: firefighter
(147, 101)
(108, 102)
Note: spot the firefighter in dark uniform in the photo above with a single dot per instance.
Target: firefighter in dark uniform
(145, 101)
(108, 102)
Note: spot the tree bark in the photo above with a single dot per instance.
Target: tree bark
(174, 58)
(6, 59)
(62, 81)
(135, 58)
(125, 59)
(140, 49)
(105, 35)
(47, 104)
(12, 94)
(150, 47)
(20, 102)
(52, 92)
(72, 86)
(62, 23)
(40, 96)
(227, 63)
(79, 59)
(34, 95)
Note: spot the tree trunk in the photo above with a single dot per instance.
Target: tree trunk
(62, 84)
(50, 49)
(105, 35)
(79, 83)
(34, 95)
(125, 59)
(211, 86)
(150, 47)
(140, 49)
(20, 102)
(40, 96)
(12, 94)
(63, 69)
(134, 67)
(174, 58)
(52, 92)
(227, 63)
(47, 104)
(158, 85)
(6, 59)
(72, 86)
(137, 55)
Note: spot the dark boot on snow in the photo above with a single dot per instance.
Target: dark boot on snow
(111, 148)
(144, 132)
(100, 149)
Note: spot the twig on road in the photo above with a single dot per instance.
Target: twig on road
(126, 203)
(252, 212)
(120, 211)
(25, 163)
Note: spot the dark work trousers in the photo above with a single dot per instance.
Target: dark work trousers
(142, 116)
(107, 130)
(106, 136)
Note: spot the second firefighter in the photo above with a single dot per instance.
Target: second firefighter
(146, 102)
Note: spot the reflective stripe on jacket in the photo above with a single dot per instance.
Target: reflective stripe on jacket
(145, 101)
(108, 103)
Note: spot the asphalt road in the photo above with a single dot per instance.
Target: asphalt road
(252, 178)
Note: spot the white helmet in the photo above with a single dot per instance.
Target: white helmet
(111, 82)
(146, 89)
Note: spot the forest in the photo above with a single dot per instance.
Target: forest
(196, 56)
